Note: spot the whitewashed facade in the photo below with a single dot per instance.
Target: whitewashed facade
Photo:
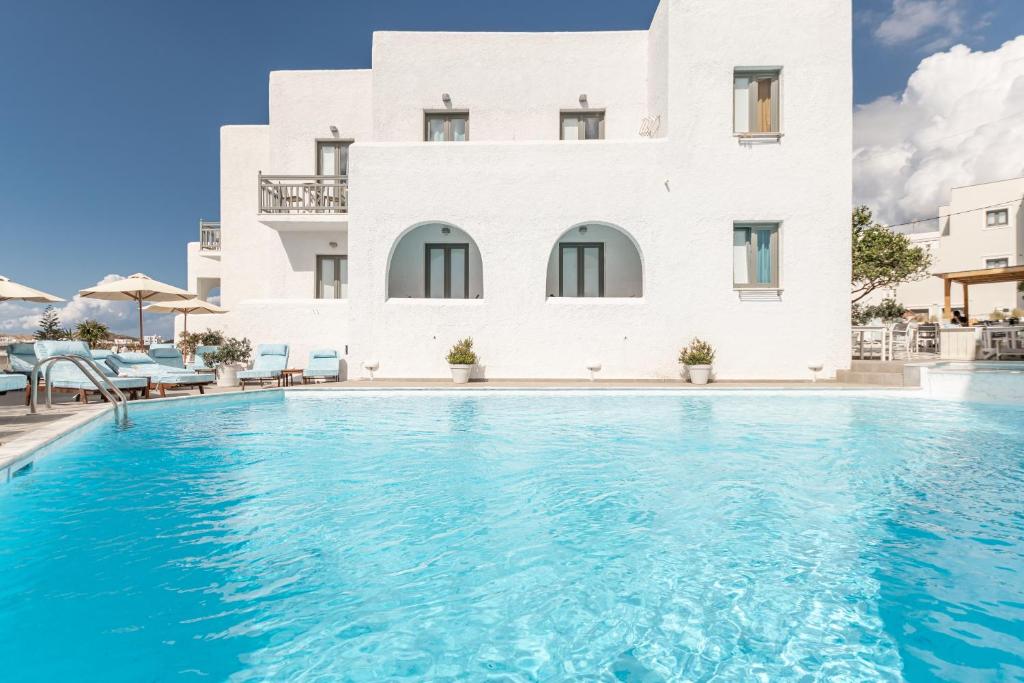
(982, 227)
(577, 198)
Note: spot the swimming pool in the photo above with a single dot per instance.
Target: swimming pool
(638, 536)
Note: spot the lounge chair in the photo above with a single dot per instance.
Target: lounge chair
(66, 377)
(101, 356)
(22, 358)
(271, 359)
(167, 355)
(323, 364)
(199, 363)
(160, 377)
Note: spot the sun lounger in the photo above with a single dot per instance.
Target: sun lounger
(199, 364)
(159, 377)
(168, 355)
(66, 377)
(271, 359)
(323, 364)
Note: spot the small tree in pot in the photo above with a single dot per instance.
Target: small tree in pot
(461, 359)
(232, 356)
(697, 359)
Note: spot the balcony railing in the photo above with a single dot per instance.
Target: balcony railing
(209, 235)
(326, 194)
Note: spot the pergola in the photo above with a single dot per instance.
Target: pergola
(984, 276)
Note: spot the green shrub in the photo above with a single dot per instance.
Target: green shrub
(462, 353)
(699, 352)
(231, 350)
(997, 314)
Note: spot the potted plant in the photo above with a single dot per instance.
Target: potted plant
(461, 359)
(232, 356)
(697, 359)
(188, 342)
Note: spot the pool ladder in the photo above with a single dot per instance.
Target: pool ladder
(90, 369)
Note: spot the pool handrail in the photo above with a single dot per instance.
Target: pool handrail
(91, 370)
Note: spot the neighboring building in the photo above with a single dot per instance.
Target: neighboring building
(563, 198)
(983, 227)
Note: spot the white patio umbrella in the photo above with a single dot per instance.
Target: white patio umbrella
(193, 306)
(12, 291)
(139, 288)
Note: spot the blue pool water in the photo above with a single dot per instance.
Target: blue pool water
(522, 537)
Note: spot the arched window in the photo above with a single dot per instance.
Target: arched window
(435, 261)
(595, 260)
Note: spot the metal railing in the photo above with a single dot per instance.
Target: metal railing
(92, 371)
(209, 235)
(283, 194)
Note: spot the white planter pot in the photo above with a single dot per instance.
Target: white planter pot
(227, 375)
(699, 374)
(461, 373)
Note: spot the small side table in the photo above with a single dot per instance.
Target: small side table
(288, 376)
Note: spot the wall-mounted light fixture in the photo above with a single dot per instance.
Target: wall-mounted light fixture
(583, 229)
(334, 130)
(334, 245)
(445, 230)
(583, 100)
(447, 99)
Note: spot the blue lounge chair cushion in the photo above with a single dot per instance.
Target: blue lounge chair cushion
(12, 382)
(271, 359)
(200, 361)
(167, 355)
(135, 364)
(66, 375)
(22, 357)
(322, 363)
(100, 356)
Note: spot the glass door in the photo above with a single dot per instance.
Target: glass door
(446, 271)
(581, 269)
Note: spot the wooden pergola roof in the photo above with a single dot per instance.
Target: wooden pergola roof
(985, 276)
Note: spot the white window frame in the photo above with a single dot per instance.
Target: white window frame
(1000, 257)
(776, 254)
(341, 284)
(581, 126)
(754, 74)
(996, 226)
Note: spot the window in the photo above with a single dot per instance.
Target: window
(332, 277)
(446, 127)
(581, 269)
(447, 271)
(755, 255)
(332, 157)
(582, 125)
(756, 102)
(997, 218)
(1002, 262)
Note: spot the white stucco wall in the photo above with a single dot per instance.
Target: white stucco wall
(516, 189)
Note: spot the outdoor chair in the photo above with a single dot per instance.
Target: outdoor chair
(12, 382)
(160, 377)
(168, 355)
(198, 364)
(66, 377)
(271, 359)
(323, 364)
(22, 358)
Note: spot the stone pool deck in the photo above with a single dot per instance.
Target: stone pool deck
(21, 433)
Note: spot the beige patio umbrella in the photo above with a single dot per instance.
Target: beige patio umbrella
(12, 291)
(193, 306)
(139, 288)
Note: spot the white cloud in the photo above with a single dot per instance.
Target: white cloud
(119, 316)
(941, 20)
(960, 121)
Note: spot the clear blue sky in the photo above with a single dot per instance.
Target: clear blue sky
(110, 110)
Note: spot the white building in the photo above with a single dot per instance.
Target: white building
(563, 198)
(983, 227)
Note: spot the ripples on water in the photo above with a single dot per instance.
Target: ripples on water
(522, 537)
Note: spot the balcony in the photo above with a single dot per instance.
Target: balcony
(294, 202)
(209, 237)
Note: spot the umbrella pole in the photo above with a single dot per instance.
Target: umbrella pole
(186, 322)
(142, 343)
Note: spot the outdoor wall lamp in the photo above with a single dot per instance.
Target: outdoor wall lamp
(334, 130)
(333, 245)
(447, 99)
(446, 230)
(583, 100)
(583, 229)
